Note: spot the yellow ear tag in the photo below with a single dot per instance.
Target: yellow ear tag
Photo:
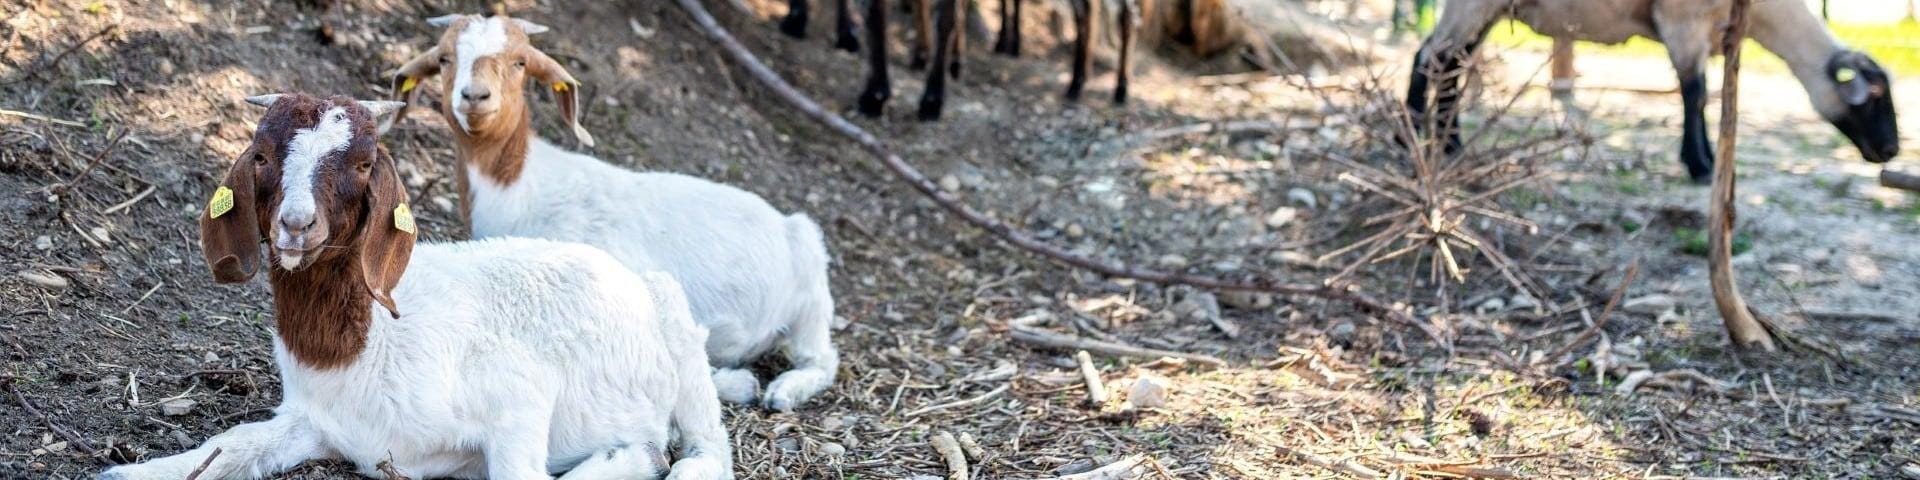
(407, 86)
(222, 202)
(1845, 75)
(559, 86)
(403, 219)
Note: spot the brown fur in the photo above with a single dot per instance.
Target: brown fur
(322, 309)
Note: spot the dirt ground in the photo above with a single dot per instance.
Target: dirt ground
(114, 332)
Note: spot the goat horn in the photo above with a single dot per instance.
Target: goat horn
(265, 100)
(444, 20)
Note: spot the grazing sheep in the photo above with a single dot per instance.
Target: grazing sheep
(1846, 86)
(503, 359)
(756, 278)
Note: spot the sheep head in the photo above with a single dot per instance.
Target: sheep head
(1863, 107)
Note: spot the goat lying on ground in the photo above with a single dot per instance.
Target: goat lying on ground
(1846, 86)
(502, 359)
(756, 278)
(939, 25)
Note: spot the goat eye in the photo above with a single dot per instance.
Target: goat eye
(260, 159)
(443, 60)
(520, 64)
(364, 167)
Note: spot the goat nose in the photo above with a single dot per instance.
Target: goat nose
(295, 222)
(476, 93)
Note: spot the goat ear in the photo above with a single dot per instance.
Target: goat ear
(406, 83)
(566, 90)
(531, 28)
(230, 227)
(388, 241)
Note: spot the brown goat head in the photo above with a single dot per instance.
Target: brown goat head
(484, 64)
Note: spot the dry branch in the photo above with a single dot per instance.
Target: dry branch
(204, 464)
(1742, 326)
(1343, 466)
(1062, 342)
(1891, 178)
(1018, 238)
(949, 450)
(1096, 390)
(1125, 469)
(1633, 270)
(72, 439)
(962, 403)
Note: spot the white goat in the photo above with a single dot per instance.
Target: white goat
(1846, 86)
(502, 359)
(751, 274)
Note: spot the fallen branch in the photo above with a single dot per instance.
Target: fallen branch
(1342, 466)
(1633, 270)
(1891, 178)
(1128, 468)
(72, 439)
(204, 464)
(949, 450)
(35, 71)
(43, 118)
(1018, 238)
(63, 187)
(1063, 342)
(962, 403)
(1096, 389)
(1742, 325)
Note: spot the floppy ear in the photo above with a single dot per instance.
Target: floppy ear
(387, 244)
(406, 83)
(230, 228)
(566, 90)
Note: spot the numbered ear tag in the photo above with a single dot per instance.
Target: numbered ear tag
(407, 86)
(1845, 75)
(559, 86)
(403, 219)
(222, 202)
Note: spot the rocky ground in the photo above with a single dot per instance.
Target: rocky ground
(116, 336)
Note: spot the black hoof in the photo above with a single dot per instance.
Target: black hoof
(1120, 96)
(1705, 178)
(919, 62)
(953, 70)
(930, 109)
(794, 26)
(1073, 93)
(847, 42)
(873, 105)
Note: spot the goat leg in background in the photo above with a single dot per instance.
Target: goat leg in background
(923, 37)
(1454, 40)
(934, 99)
(844, 38)
(873, 100)
(962, 14)
(1008, 43)
(1082, 47)
(795, 23)
(1127, 24)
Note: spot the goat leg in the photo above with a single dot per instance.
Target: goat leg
(844, 38)
(795, 23)
(873, 100)
(934, 98)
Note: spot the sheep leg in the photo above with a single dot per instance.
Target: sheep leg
(1008, 42)
(1689, 35)
(1454, 40)
(645, 462)
(248, 451)
(1082, 47)
(795, 23)
(962, 12)
(1696, 150)
(923, 28)
(844, 38)
(873, 100)
(1126, 49)
(935, 97)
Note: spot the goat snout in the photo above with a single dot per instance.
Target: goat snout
(476, 93)
(297, 234)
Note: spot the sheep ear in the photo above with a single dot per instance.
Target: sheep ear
(265, 100)
(566, 90)
(445, 20)
(388, 242)
(531, 28)
(230, 228)
(1852, 86)
(406, 84)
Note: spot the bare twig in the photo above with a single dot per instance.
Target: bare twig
(94, 162)
(204, 464)
(72, 439)
(1015, 237)
(43, 118)
(35, 71)
(961, 403)
(1633, 270)
(1057, 341)
(949, 450)
(1343, 466)
(1096, 389)
(1891, 178)
(123, 205)
(1132, 467)
(1745, 330)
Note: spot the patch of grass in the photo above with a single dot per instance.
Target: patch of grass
(1693, 241)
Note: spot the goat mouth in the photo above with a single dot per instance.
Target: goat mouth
(292, 259)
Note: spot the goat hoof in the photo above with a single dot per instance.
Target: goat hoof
(794, 26)
(930, 110)
(873, 105)
(919, 61)
(1073, 94)
(847, 42)
(953, 69)
(1704, 178)
(1120, 96)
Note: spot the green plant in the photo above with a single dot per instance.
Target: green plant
(1693, 241)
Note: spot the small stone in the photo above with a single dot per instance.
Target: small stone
(1172, 260)
(1342, 332)
(1201, 306)
(950, 183)
(57, 447)
(1246, 300)
(1148, 392)
(210, 357)
(180, 438)
(833, 423)
(1492, 305)
(1523, 302)
(43, 242)
(177, 407)
(44, 280)
(101, 234)
(1911, 470)
(1282, 216)
(1651, 304)
(1303, 196)
(165, 68)
(1074, 230)
(833, 450)
(789, 444)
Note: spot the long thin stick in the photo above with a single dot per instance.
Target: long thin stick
(962, 403)
(204, 464)
(1070, 343)
(1096, 389)
(75, 440)
(1018, 238)
(1633, 270)
(1343, 466)
(1742, 327)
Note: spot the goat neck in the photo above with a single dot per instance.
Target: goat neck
(323, 312)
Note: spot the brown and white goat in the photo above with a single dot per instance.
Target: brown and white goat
(504, 359)
(1846, 86)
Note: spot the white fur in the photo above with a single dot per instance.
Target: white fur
(304, 152)
(481, 38)
(755, 278)
(514, 359)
